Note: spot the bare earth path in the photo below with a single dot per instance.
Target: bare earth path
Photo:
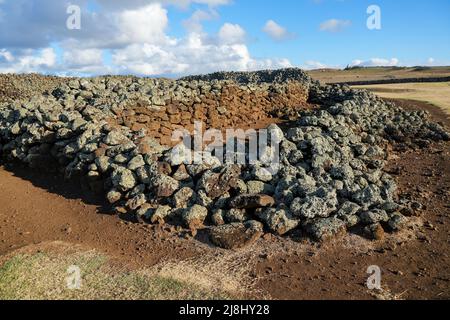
(37, 207)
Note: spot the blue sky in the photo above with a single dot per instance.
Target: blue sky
(177, 37)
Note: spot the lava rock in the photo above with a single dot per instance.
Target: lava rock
(236, 235)
(251, 201)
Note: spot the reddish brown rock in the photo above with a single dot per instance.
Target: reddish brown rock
(252, 201)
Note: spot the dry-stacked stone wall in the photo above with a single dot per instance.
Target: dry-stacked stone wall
(219, 106)
(330, 177)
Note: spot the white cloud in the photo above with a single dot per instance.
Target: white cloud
(143, 25)
(231, 34)
(6, 55)
(375, 62)
(132, 4)
(192, 55)
(334, 25)
(135, 33)
(276, 32)
(194, 23)
(311, 64)
(27, 61)
(83, 57)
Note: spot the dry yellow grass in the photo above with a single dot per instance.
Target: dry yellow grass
(42, 274)
(378, 73)
(437, 94)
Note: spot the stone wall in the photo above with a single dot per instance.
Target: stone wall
(227, 106)
(330, 176)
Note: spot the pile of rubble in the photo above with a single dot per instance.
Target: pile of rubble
(329, 178)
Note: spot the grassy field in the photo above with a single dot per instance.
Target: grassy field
(434, 93)
(46, 274)
(378, 73)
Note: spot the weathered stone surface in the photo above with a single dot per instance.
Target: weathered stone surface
(325, 229)
(397, 222)
(374, 216)
(235, 215)
(194, 217)
(251, 201)
(330, 172)
(217, 184)
(374, 231)
(236, 235)
(310, 208)
(115, 138)
(136, 163)
(184, 198)
(257, 187)
(136, 202)
(164, 186)
(217, 217)
(160, 215)
(123, 179)
(279, 221)
(113, 196)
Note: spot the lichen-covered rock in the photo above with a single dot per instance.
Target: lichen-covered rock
(115, 138)
(194, 217)
(262, 174)
(217, 184)
(310, 208)
(397, 221)
(251, 201)
(217, 218)
(279, 221)
(123, 179)
(236, 235)
(374, 216)
(160, 215)
(136, 202)
(113, 196)
(164, 186)
(324, 229)
(235, 215)
(259, 187)
(184, 198)
(136, 162)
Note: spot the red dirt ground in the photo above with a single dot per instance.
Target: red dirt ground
(37, 207)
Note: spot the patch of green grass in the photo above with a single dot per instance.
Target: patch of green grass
(43, 276)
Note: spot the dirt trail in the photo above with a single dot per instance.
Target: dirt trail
(37, 207)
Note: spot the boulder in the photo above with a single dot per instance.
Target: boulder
(251, 201)
(236, 235)
(194, 217)
(279, 221)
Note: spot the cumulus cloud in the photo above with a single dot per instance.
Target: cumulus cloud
(194, 23)
(375, 62)
(82, 57)
(132, 4)
(194, 54)
(134, 33)
(334, 25)
(231, 34)
(276, 32)
(26, 61)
